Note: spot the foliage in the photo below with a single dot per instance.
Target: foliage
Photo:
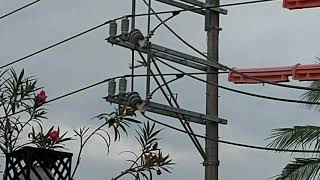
(22, 110)
(305, 137)
(301, 169)
(118, 120)
(296, 138)
(17, 99)
(313, 96)
(49, 140)
(151, 159)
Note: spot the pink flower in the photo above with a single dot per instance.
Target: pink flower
(41, 97)
(53, 135)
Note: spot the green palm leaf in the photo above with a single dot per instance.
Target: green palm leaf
(301, 169)
(295, 138)
(313, 96)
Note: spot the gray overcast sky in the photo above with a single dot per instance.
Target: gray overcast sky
(254, 35)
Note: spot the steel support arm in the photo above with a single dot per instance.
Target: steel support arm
(171, 111)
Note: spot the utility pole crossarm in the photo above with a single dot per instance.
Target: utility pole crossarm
(183, 6)
(171, 111)
(136, 41)
(188, 60)
(186, 56)
(191, 4)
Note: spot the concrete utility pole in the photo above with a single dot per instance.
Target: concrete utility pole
(212, 27)
(210, 120)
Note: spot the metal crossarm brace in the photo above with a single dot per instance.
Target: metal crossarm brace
(158, 54)
(171, 111)
(191, 4)
(170, 55)
(182, 6)
(185, 56)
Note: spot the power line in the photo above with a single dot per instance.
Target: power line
(221, 66)
(233, 143)
(185, 125)
(118, 18)
(168, 82)
(207, 7)
(172, 31)
(56, 44)
(167, 74)
(239, 91)
(19, 9)
(102, 82)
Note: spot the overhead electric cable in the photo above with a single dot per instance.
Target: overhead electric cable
(101, 82)
(207, 7)
(19, 9)
(58, 43)
(168, 74)
(184, 124)
(224, 67)
(101, 25)
(168, 82)
(118, 18)
(239, 91)
(233, 143)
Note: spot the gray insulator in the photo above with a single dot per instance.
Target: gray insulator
(112, 87)
(124, 26)
(135, 36)
(113, 29)
(122, 85)
(134, 99)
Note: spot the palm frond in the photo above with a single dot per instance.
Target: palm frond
(313, 96)
(301, 169)
(296, 137)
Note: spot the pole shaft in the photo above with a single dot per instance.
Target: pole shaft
(212, 161)
(133, 24)
(149, 54)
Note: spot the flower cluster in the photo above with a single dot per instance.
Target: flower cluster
(49, 140)
(40, 98)
(151, 159)
(53, 135)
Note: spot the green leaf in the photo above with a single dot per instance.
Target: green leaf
(132, 120)
(105, 140)
(301, 169)
(313, 96)
(296, 137)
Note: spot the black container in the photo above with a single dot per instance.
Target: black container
(31, 163)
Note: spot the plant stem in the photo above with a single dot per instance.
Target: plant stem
(82, 144)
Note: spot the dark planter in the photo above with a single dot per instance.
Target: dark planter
(31, 163)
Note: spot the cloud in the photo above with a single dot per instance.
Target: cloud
(252, 36)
